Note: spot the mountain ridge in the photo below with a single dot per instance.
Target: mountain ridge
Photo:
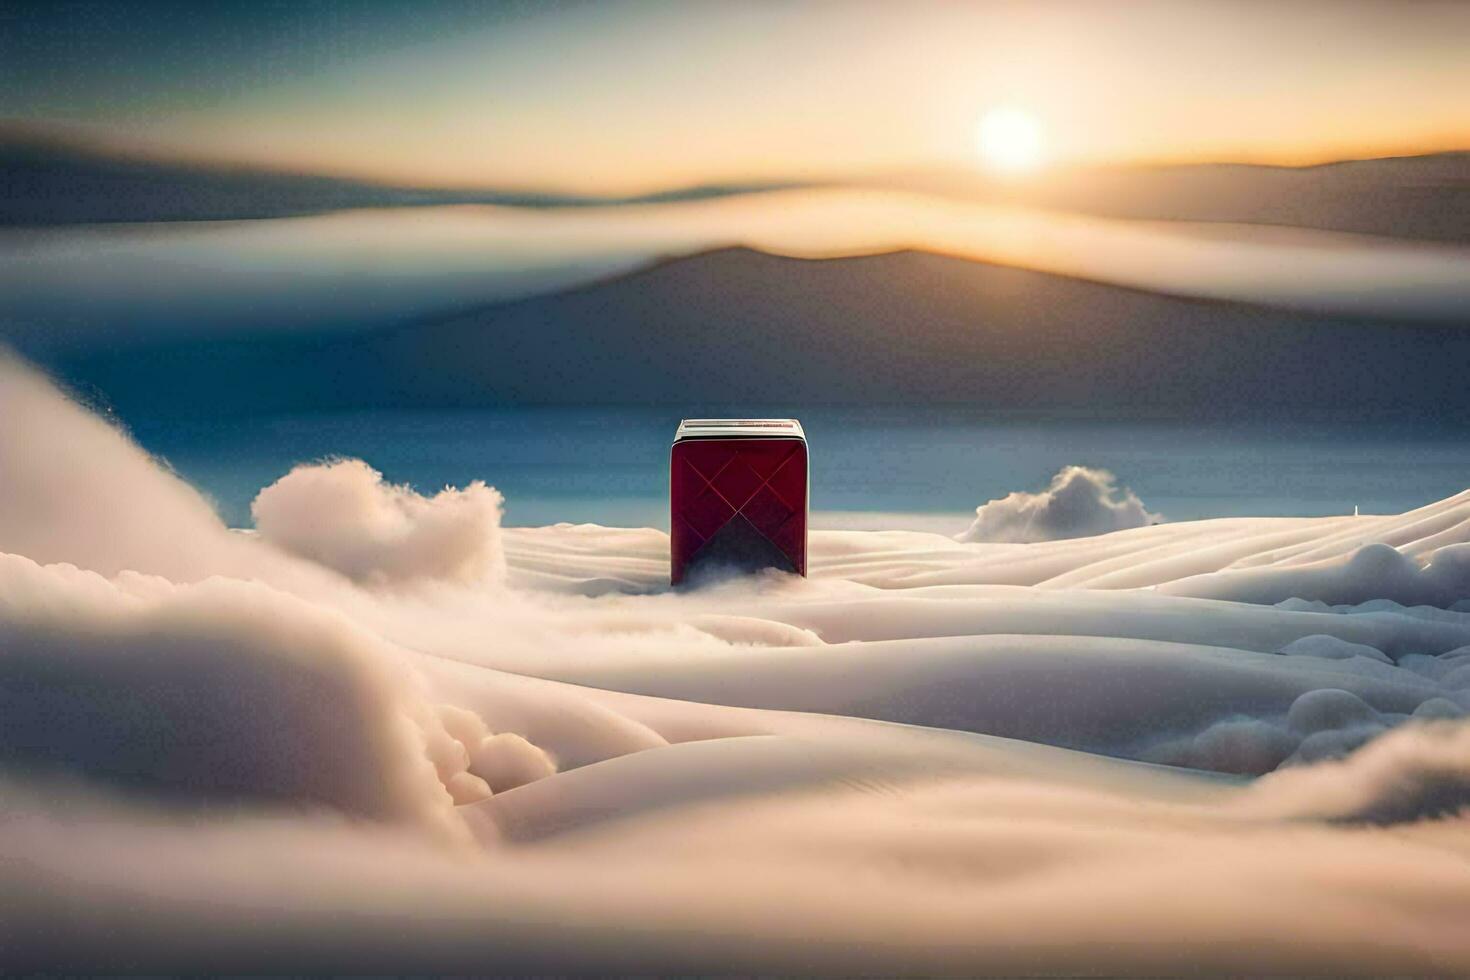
(737, 326)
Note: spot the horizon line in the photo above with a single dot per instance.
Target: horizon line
(48, 136)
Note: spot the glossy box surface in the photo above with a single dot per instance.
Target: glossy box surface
(737, 496)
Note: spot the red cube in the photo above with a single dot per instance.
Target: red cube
(737, 496)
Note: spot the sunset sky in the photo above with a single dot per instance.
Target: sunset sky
(629, 97)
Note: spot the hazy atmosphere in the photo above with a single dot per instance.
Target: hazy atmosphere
(1064, 568)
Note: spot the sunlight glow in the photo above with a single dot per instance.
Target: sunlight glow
(1009, 140)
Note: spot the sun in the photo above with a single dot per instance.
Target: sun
(1009, 140)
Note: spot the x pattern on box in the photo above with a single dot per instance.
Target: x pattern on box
(762, 481)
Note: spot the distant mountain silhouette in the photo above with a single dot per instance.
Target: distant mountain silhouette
(1419, 197)
(737, 327)
(48, 181)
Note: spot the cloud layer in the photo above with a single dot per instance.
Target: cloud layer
(329, 746)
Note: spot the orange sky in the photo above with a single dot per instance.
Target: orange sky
(632, 97)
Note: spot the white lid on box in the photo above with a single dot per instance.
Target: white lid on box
(739, 429)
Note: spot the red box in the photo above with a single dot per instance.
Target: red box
(737, 496)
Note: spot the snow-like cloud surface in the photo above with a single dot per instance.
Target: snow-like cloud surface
(1079, 501)
(267, 752)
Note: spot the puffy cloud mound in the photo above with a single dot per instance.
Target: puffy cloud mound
(1375, 571)
(1079, 502)
(225, 690)
(476, 762)
(231, 691)
(73, 488)
(342, 514)
(1416, 772)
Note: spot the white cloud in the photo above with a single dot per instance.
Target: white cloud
(342, 514)
(222, 691)
(1079, 502)
(74, 488)
(1418, 771)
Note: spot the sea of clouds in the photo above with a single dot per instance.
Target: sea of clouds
(379, 731)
